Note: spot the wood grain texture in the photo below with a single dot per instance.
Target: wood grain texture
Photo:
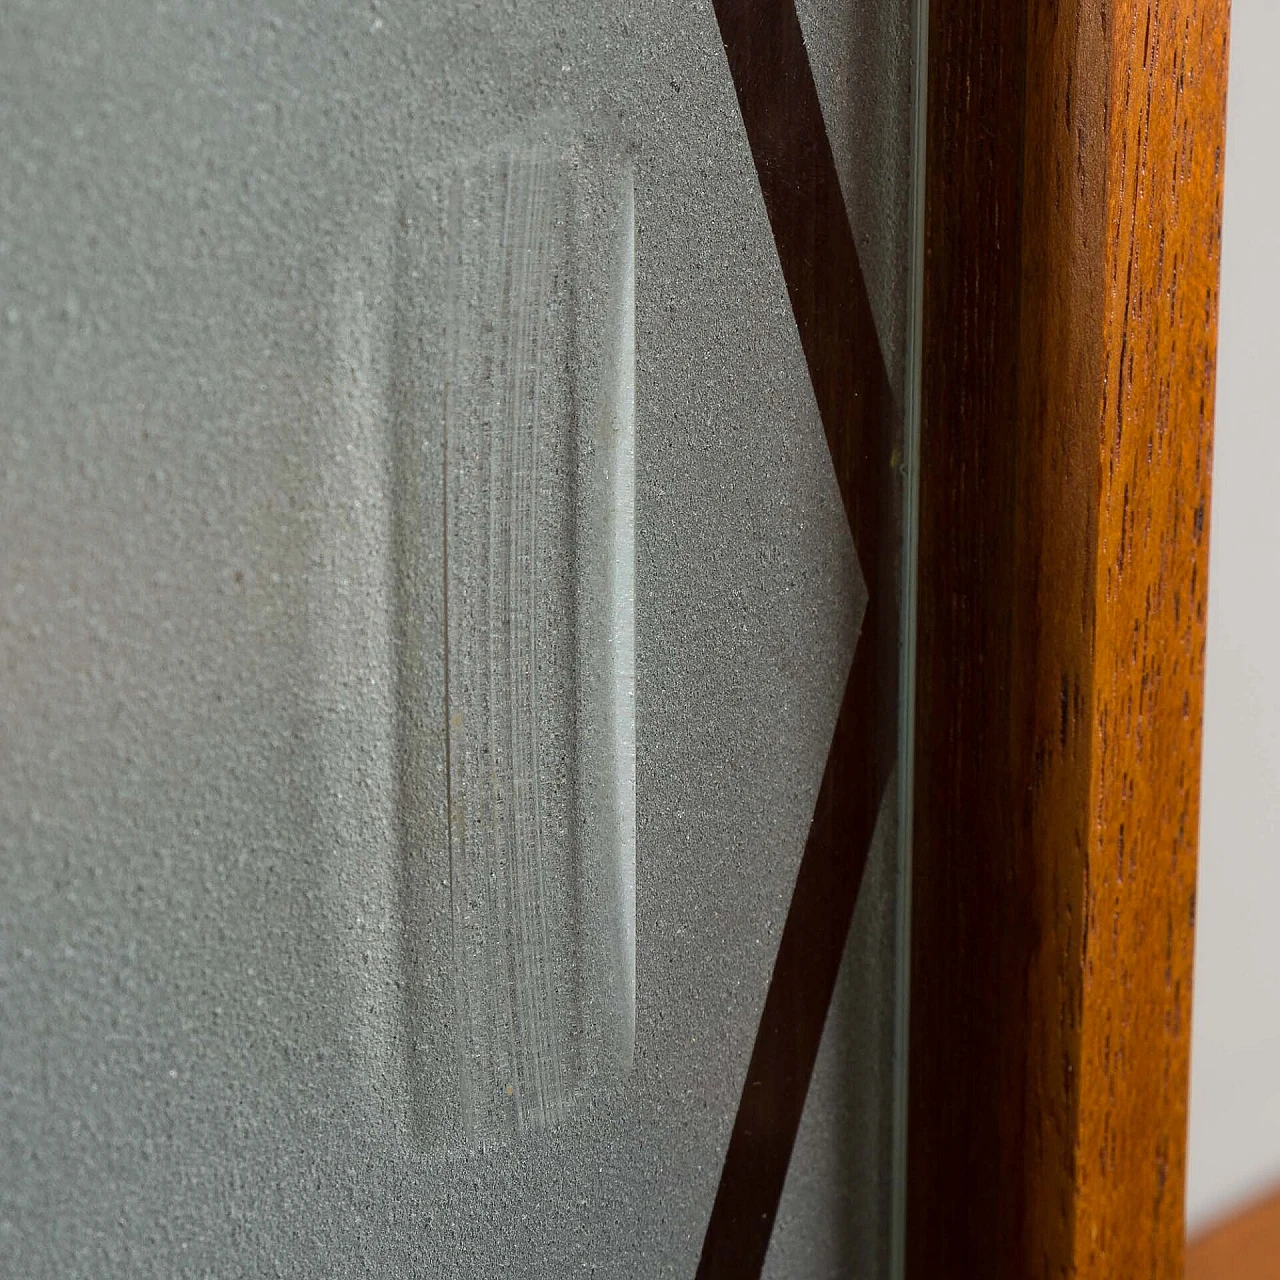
(1245, 1246)
(1073, 212)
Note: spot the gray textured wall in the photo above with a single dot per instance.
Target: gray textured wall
(202, 978)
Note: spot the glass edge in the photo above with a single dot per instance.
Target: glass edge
(907, 653)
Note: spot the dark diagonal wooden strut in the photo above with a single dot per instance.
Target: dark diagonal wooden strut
(793, 159)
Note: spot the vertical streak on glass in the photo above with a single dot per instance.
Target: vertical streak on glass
(453, 243)
(501, 591)
(624, 604)
(605, 554)
(907, 676)
(512, 577)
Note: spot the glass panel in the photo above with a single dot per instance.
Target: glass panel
(452, 578)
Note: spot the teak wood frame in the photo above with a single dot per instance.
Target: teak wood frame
(1072, 220)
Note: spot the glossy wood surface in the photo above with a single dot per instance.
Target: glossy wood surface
(1072, 219)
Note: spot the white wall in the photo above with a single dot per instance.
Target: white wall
(1235, 1072)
